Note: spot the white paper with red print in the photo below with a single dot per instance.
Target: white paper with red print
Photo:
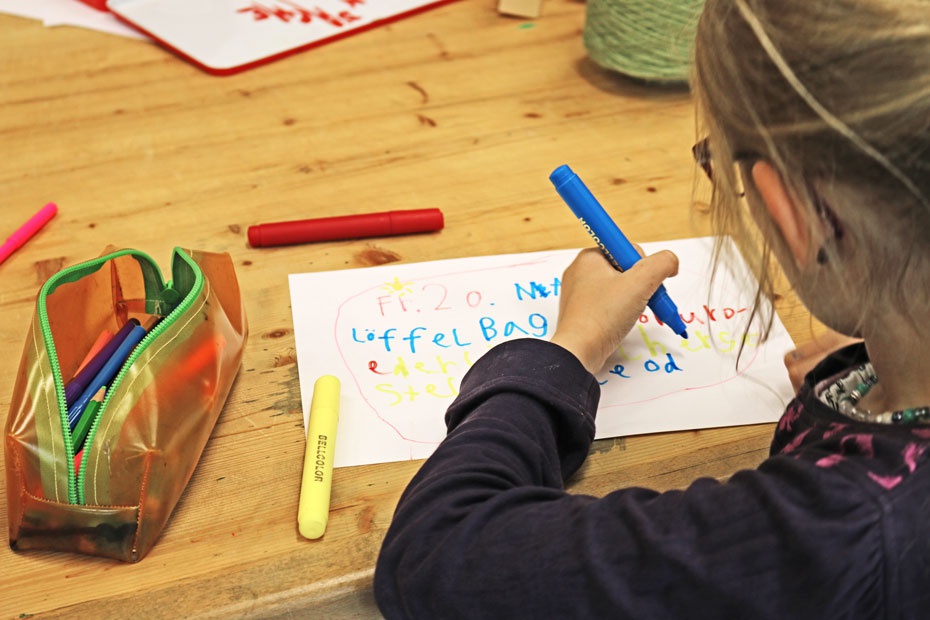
(226, 36)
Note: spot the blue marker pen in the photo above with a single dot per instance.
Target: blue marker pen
(611, 240)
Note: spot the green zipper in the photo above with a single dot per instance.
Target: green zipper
(76, 480)
(59, 390)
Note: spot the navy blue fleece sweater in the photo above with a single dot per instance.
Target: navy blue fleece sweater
(834, 524)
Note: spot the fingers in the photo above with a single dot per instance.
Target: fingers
(599, 304)
(657, 267)
(660, 265)
(805, 357)
(642, 279)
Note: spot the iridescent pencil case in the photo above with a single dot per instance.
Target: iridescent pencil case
(147, 432)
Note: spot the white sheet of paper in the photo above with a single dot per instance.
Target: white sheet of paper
(400, 338)
(225, 35)
(69, 13)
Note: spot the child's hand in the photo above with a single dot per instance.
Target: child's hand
(599, 305)
(803, 359)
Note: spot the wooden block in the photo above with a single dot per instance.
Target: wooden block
(520, 8)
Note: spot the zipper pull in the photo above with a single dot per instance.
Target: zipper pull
(167, 300)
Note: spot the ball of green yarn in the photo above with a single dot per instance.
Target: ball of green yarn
(647, 39)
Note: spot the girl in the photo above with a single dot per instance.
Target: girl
(819, 112)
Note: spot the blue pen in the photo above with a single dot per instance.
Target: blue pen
(105, 375)
(618, 249)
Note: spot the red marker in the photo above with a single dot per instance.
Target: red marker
(346, 227)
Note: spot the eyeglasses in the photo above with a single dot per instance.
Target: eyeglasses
(701, 152)
(702, 157)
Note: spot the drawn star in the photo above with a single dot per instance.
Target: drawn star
(398, 287)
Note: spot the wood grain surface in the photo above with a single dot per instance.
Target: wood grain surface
(458, 108)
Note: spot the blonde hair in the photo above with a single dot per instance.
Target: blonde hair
(836, 96)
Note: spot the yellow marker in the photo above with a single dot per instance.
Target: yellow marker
(317, 482)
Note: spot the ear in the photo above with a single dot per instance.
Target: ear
(784, 210)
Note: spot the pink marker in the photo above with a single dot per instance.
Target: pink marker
(28, 230)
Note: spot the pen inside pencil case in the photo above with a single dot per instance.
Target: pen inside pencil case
(88, 388)
(107, 384)
(94, 315)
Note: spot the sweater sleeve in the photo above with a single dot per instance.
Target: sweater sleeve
(485, 529)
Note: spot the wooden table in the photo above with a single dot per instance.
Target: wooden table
(457, 108)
